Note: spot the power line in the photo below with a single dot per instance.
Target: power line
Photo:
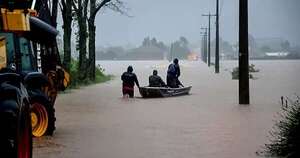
(221, 8)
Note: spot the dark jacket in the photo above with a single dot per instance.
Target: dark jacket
(156, 81)
(174, 70)
(129, 79)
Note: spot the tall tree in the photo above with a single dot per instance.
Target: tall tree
(92, 35)
(85, 18)
(285, 45)
(95, 7)
(66, 10)
(54, 12)
(81, 10)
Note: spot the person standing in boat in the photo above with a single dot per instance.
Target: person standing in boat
(155, 80)
(129, 79)
(173, 74)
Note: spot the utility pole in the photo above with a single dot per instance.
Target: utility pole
(205, 46)
(217, 65)
(209, 28)
(243, 54)
(202, 48)
(205, 43)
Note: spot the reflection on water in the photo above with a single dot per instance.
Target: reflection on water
(209, 123)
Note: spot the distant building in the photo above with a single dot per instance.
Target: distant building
(277, 54)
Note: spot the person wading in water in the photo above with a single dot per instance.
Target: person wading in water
(173, 74)
(129, 78)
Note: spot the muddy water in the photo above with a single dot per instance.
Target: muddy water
(96, 122)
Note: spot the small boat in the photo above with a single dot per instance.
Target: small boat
(155, 92)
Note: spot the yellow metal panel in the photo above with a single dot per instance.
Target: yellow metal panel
(66, 79)
(15, 20)
(3, 59)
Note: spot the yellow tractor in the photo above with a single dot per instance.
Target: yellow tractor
(31, 74)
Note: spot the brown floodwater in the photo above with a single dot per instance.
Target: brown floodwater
(96, 121)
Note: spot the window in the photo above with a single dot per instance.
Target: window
(10, 48)
(26, 55)
(25, 50)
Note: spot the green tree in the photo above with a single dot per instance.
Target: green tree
(81, 10)
(66, 10)
(285, 45)
(180, 49)
(146, 42)
(95, 6)
(265, 49)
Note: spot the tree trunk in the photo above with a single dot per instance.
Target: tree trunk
(92, 41)
(92, 51)
(82, 32)
(67, 27)
(82, 48)
(67, 48)
(54, 13)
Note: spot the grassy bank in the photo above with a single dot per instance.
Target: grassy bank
(77, 83)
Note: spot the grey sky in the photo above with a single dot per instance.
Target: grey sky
(168, 19)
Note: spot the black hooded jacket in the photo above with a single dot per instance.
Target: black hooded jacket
(129, 79)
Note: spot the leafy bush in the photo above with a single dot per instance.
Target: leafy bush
(100, 76)
(76, 82)
(286, 132)
(252, 68)
(235, 72)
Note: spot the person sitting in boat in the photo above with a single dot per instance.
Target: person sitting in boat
(129, 78)
(155, 80)
(173, 74)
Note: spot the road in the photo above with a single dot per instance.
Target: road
(96, 122)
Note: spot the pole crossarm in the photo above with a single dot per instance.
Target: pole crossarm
(209, 15)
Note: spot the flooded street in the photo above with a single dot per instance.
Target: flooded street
(96, 122)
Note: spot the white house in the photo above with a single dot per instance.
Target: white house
(277, 54)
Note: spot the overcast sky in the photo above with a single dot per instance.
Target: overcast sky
(168, 19)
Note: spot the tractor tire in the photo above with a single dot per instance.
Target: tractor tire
(15, 133)
(42, 116)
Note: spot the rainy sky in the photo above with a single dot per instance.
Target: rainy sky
(168, 19)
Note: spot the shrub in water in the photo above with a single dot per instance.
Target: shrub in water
(235, 72)
(286, 133)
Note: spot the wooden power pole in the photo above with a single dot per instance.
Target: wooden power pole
(204, 45)
(217, 65)
(209, 30)
(243, 53)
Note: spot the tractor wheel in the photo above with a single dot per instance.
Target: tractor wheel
(15, 133)
(42, 117)
(25, 135)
